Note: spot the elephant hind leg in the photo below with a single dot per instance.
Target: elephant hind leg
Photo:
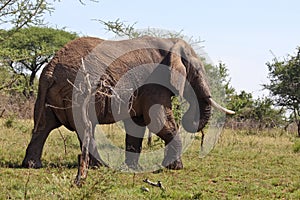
(38, 139)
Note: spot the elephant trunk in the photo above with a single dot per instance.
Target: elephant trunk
(197, 116)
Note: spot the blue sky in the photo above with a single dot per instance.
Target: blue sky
(238, 33)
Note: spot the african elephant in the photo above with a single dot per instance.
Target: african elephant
(158, 69)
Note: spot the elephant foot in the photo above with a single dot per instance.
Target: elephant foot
(175, 165)
(94, 163)
(130, 167)
(135, 167)
(132, 160)
(32, 163)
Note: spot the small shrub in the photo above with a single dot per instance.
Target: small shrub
(23, 128)
(9, 122)
(296, 146)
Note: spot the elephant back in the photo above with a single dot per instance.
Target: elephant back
(71, 54)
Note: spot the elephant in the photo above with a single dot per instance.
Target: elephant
(152, 70)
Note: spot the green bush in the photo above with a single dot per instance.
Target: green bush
(296, 146)
(9, 122)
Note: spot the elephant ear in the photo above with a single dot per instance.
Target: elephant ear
(178, 69)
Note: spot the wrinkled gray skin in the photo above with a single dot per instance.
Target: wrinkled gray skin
(177, 58)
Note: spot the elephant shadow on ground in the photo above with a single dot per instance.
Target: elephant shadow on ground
(17, 164)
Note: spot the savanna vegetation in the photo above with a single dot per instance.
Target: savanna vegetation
(242, 166)
(256, 157)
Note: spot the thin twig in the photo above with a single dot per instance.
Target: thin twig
(59, 108)
(158, 184)
(64, 140)
(2, 112)
(73, 85)
(26, 184)
(9, 84)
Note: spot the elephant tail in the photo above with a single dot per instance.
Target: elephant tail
(40, 104)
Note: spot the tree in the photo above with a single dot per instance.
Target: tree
(242, 104)
(218, 77)
(254, 112)
(16, 14)
(30, 49)
(266, 114)
(285, 84)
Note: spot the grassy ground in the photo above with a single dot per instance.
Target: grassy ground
(242, 166)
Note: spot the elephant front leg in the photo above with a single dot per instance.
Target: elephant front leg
(134, 137)
(158, 116)
(165, 127)
(173, 151)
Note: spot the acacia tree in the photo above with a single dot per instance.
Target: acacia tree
(30, 49)
(285, 84)
(15, 14)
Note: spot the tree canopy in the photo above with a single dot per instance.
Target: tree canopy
(30, 49)
(285, 84)
(16, 14)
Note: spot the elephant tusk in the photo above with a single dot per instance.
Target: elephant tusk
(218, 107)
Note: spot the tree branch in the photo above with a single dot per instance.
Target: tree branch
(2, 112)
(5, 4)
(9, 84)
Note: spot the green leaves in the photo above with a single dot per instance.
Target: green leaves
(29, 49)
(257, 111)
(285, 81)
(219, 81)
(285, 84)
(18, 14)
(34, 42)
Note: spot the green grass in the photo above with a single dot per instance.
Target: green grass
(265, 165)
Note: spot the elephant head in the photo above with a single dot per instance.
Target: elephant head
(194, 88)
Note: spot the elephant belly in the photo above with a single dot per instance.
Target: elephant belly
(109, 115)
(102, 112)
